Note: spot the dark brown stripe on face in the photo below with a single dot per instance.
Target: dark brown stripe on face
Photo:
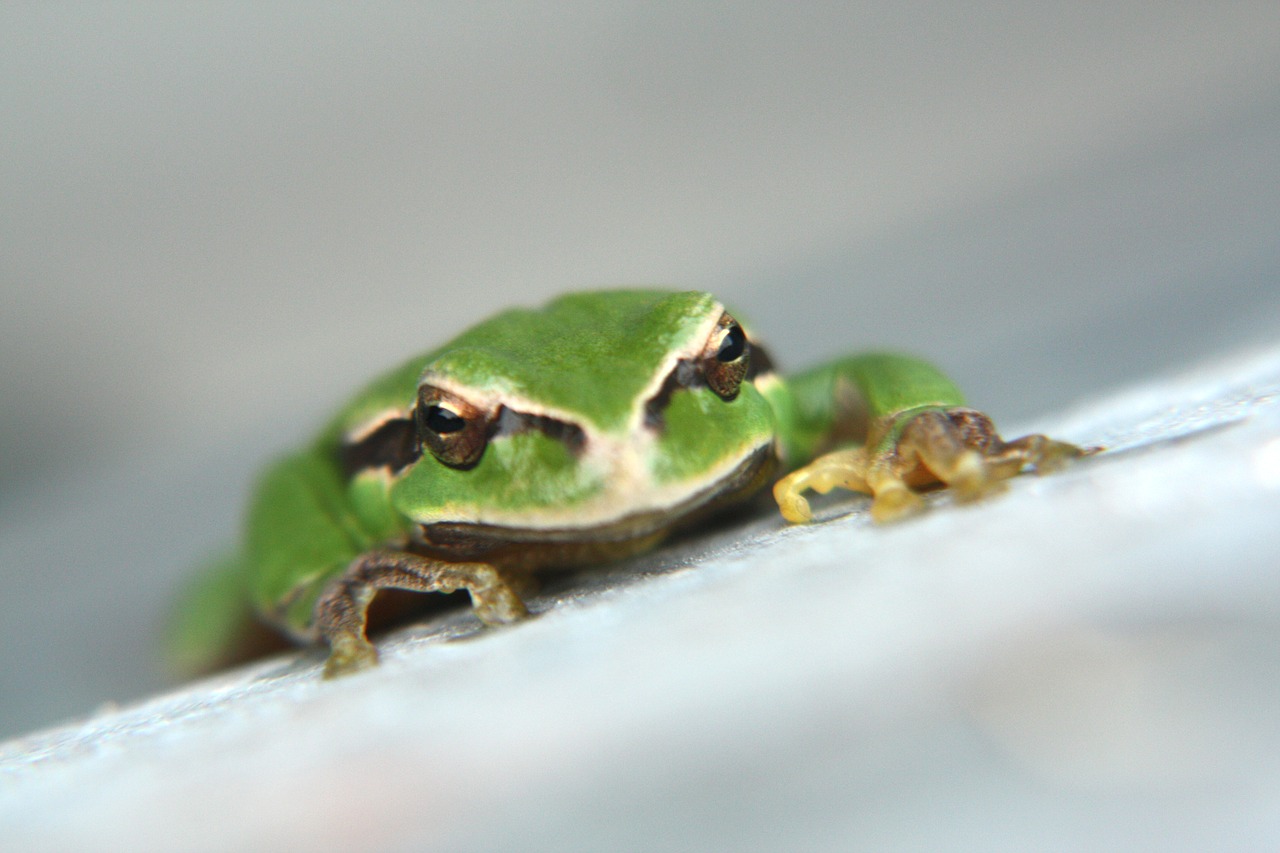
(687, 375)
(511, 422)
(684, 375)
(515, 422)
(760, 362)
(393, 445)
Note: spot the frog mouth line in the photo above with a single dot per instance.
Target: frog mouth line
(745, 479)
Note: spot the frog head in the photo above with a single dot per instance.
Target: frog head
(602, 414)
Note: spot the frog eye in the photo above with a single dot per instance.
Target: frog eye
(442, 421)
(455, 431)
(725, 357)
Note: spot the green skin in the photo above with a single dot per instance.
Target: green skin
(610, 483)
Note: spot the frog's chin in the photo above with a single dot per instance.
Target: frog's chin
(461, 538)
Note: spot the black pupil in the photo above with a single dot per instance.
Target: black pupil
(732, 345)
(441, 420)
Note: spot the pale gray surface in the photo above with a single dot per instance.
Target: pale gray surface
(1091, 661)
(217, 220)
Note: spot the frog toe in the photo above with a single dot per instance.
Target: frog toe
(843, 469)
(349, 653)
(1048, 455)
(894, 502)
(791, 501)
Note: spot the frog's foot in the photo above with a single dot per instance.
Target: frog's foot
(844, 469)
(956, 447)
(349, 653)
(341, 611)
(975, 433)
(493, 597)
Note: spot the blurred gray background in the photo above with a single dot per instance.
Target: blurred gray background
(218, 219)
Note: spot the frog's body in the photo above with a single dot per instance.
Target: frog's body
(577, 433)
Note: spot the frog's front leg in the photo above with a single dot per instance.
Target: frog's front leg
(916, 434)
(341, 610)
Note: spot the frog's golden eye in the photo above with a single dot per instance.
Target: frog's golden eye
(725, 357)
(455, 431)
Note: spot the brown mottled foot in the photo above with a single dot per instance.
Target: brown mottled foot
(492, 597)
(349, 653)
(955, 447)
(341, 610)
